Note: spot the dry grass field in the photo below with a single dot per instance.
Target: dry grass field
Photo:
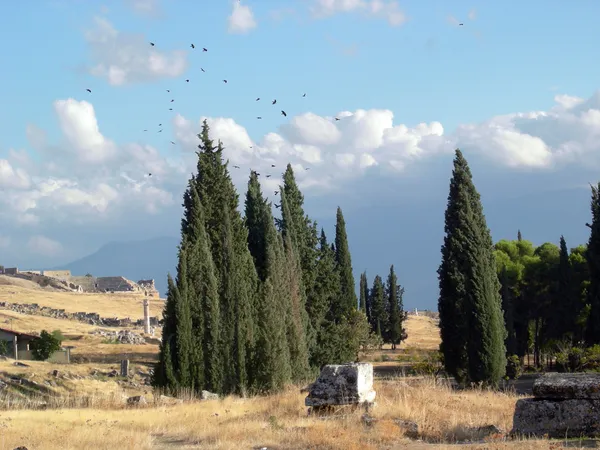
(15, 290)
(86, 408)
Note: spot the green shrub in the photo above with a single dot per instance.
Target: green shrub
(514, 368)
(431, 366)
(592, 355)
(43, 346)
(4, 348)
(58, 335)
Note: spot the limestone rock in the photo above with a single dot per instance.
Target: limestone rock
(345, 384)
(562, 386)
(137, 400)
(206, 395)
(409, 428)
(557, 419)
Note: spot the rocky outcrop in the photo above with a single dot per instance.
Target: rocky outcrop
(563, 405)
(122, 337)
(345, 384)
(89, 318)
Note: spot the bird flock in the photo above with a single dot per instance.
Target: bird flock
(187, 80)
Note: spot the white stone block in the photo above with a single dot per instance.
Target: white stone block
(345, 384)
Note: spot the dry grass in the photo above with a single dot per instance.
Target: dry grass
(107, 305)
(25, 323)
(277, 422)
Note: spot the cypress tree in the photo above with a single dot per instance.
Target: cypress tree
(183, 319)
(519, 237)
(592, 335)
(396, 315)
(364, 293)
(565, 313)
(164, 373)
(254, 215)
(471, 321)
(379, 313)
(509, 313)
(347, 302)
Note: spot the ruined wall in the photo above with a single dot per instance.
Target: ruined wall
(60, 274)
(11, 270)
(120, 284)
(88, 284)
(149, 288)
(33, 272)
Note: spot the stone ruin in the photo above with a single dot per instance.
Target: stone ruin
(340, 385)
(85, 317)
(563, 405)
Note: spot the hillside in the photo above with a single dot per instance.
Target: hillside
(134, 260)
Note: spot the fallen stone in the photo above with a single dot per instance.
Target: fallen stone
(137, 400)
(563, 386)
(345, 384)
(410, 429)
(20, 364)
(557, 419)
(206, 395)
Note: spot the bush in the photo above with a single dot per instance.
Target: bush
(58, 335)
(4, 348)
(44, 346)
(514, 368)
(431, 366)
(571, 360)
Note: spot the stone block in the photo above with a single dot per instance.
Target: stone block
(563, 386)
(345, 384)
(557, 418)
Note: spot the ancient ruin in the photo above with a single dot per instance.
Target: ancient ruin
(563, 405)
(345, 384)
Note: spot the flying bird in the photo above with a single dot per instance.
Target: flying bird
(257, 98)
(276, 192)
(168, 90)
(145, 130)
(236, 167)
(170, 109)
(224, 81)
(460, 24)
(272, 165)
(152, 44)
(337, 118)
(160, 131)
(283, 113)
(187, 81)
(273, 102)
(308, 168)
(268, 176)
(588, 225)
(304, 95)
(149, 174)
(204, 49)
(277, 206)
(172, 100)
(160, 124)
(172, 142)
(259, 117)
(202, 69)
(89, 90)
(193, 46)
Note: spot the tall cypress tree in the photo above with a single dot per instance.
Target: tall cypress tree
(254, 214)
(592, 335)
(379, 312)
(471, 321)
(507, 296)
(348, 301)
(164, 373)
(565, 313)
(364, 293)
(396, 315)
(184, 341)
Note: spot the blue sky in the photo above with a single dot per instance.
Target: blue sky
(508, 57)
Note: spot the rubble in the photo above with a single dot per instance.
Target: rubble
(122, 337)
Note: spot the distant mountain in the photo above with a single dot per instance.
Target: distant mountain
(134, 260)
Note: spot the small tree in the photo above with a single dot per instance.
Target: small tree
(58, 335)
(3, 348)
(44, 346)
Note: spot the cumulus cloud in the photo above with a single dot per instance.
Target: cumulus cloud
(44, 246)
(388, 10)
(126, 58)
(241, 20)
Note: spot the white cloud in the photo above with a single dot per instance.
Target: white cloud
(147, 8)
(11, 177)
(388, 10)
(44, 246)
(241, 19)
(125, 58)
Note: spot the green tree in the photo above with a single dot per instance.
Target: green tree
(396, 315)
(347, 301)
(44, 346)
(379, 312)
(592, 335)
(364, 293)
(565, 313)
(164, 373)
(183, 318)
(471, 319)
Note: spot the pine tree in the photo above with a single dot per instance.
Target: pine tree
(379, 312)
(364, 293)
(347, 302)
(396, 315)
(592, 335)
(471, 321)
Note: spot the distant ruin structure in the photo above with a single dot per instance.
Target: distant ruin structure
(146, 316)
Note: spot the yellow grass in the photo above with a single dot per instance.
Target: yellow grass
(423, 333)
(107, 305)
(276, 422)
(25, 323)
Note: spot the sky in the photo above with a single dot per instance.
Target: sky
(515, 87)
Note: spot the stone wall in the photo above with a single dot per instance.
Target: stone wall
(109, 284)
(60, 274)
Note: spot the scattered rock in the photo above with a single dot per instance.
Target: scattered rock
(21, 448)
(122, 337)
(165, 400)
(55, 373)
(206, 395)
(20, 364)
(563, 404)
(345, 384)
(410, 429)
(137, 400)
